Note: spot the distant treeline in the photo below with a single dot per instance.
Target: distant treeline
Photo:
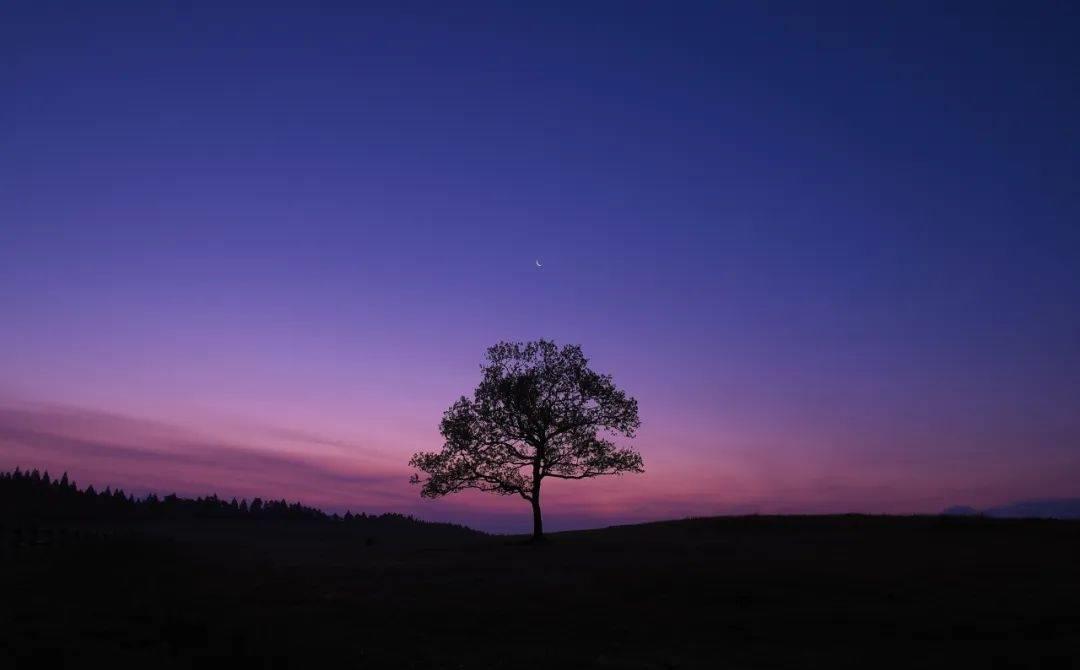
(34, 495)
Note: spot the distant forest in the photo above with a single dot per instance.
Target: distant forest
(35, 496)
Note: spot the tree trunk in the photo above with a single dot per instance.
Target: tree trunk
(538, 521)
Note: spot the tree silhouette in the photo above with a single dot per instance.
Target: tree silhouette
(538, 412)
(25, 502)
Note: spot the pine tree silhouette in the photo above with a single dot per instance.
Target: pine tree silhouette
(30, 497)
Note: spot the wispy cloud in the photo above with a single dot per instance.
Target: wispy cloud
(137, 454)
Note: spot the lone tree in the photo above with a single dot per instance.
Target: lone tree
(538, 412)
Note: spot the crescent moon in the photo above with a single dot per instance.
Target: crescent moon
(538, 264)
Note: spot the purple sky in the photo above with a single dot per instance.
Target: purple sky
(258, 252)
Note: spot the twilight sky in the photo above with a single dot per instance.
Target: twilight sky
(258, 251)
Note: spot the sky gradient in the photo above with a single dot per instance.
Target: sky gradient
(259, 251)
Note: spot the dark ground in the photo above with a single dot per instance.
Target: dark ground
(752, 592)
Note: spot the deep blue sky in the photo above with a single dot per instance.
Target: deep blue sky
(842, 235)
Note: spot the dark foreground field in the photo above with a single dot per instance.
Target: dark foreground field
(755, 592)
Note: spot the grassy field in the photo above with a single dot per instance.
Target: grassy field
(748, 592)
